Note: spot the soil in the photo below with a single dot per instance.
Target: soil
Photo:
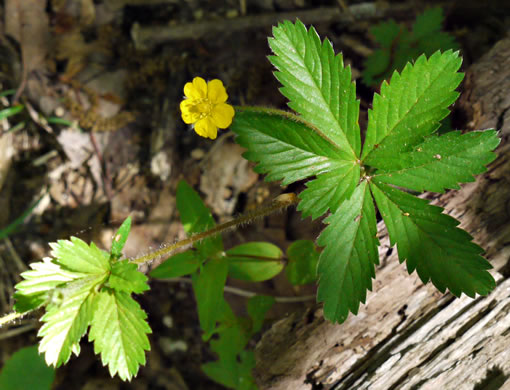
(83, 61)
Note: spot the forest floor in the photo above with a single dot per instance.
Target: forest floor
(105, 70)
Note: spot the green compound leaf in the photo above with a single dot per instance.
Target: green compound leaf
(38, 282)
(119, 331)
(411, 106)
(181, 264)
(431, 243)
(67, 318)
(120, 238)
(317, 84)
(25, 370)
(126, 277)
(208, 287)
(254, 261)
(77, 256)
(441, 162)
(283, 146)
(303, 258)
(329, 190)
(196, 218)
(347, 263)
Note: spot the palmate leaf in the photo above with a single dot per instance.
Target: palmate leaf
(411, 107)
(347, 263)
(431, 243)
(76, 255)
(317, 84)
(284, 148)
(441, 162)
(119, 331)
(126, 277)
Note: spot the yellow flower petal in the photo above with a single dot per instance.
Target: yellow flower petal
(188, 114)
(222, 115)
(206, 128)
(196, 89)
(216, 92)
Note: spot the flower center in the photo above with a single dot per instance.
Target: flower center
(203, 107)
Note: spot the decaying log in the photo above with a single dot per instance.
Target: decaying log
(408, 335)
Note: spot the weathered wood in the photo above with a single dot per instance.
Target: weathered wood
(408, 335)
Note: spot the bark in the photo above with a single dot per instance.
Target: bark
(409, 335)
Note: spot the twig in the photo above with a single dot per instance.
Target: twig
(245, 293)
(146, 37)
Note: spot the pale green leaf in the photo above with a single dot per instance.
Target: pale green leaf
(120, 238)
(283, 146)
(119, 331)
(181, 264)
(126, 277)
(45, 275)
(75, 255)
(411, 106)
(26, 370)
(67, 319)
(317, 84)
(302, 266)
(431, 243)
(196, 218)
(441, 162)
(329, 189)
(208, 288)
(347, 263)
(254, 261)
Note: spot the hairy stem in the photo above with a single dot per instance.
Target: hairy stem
(279, 203)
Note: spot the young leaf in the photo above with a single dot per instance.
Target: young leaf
(120, 238)
(32, 292)
(257, 308)
(347, 263)
(431, 243)
(196, 218)
(411, 106)
(126, 277)
(285, 149)
(77, 256)
(208, 287)
(67, 320)
(329, 190)
(317, 84)
(254, 261)
(119, 331)
(26, 369)
(303, 258)
(441, 162)
(181, 264)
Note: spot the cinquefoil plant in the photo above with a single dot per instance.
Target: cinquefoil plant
(82, 286)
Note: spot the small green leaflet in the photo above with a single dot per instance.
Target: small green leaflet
(208, 287)
(196, 218)
(254, 261)
(120, 238)
(431, 243)
(119, 332)
(450, 159)
(317, 84)
(126, 277)
(347, 263)
(400, 149)
(411, 106)
(181, 264)
(303, 258)
(77, 256)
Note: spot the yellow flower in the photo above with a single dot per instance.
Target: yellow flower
(205, 107)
